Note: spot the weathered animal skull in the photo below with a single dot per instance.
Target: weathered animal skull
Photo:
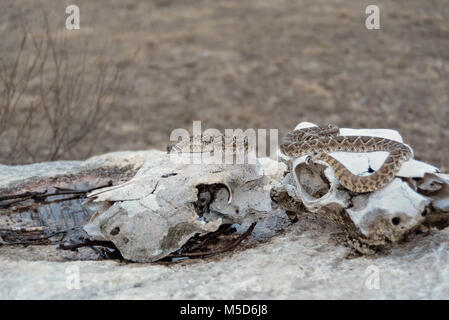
(167, 203)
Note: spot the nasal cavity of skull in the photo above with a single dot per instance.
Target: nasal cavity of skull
(206, 195)
(313, 180)
(396, 221)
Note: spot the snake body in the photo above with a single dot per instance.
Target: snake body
(322, 140)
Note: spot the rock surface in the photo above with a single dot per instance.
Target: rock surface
(28, 176)
(311, 266)
(48, 215)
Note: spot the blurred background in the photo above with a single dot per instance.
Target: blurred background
(136, 70)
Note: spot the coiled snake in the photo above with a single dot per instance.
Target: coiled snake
(320, 141)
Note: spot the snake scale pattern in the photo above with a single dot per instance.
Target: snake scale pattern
(320, 141)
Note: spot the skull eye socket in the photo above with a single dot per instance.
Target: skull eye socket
(115, 231)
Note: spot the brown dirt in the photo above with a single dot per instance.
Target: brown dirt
(262, 64)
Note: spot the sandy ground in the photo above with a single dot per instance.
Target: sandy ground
(259, 64)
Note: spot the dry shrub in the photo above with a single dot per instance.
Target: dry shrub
(51, 100)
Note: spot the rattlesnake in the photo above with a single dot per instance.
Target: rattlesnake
(322, 140)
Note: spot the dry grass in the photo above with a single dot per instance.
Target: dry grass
(260, 64)
(47, 106)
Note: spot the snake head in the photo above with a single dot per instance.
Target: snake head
(309, 160)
